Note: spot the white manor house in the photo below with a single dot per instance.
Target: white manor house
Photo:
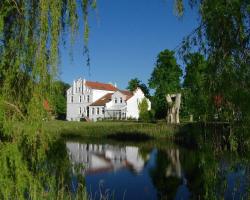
(93, 101)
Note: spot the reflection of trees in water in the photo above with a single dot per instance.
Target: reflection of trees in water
(205, 174)
(59, 164)
(48, 177)
(166, 175)
(208, 175)
(68, 179)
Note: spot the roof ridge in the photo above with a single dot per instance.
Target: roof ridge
(99, 82)
(101, 86)
(99, 101)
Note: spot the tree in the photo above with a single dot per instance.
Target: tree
(223, 37)
(144, 113)
(165, 79)
(135, 83)
(196, 99)
(60, 100)
(30, 33)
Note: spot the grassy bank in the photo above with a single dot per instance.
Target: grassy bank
(110, 129)
(192, 135)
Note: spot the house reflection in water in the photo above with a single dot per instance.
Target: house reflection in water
(103, 157)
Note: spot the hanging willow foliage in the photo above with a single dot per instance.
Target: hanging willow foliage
(30, 32)
(223, 37)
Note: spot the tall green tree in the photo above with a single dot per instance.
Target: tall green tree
(165, 79)
(196, 97)
(135, 83)
(60, 100)
(223, 37)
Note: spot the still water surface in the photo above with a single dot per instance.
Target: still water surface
(151, 171)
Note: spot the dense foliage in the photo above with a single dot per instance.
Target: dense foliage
(194, 87)
(165, 79)
(144, 113)
(135, 83)
(30, 32)
(223, 38)
(216, 54)
(59, 99)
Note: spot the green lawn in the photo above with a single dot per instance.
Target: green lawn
(104, 129)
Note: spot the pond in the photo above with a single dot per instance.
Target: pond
(157, 170)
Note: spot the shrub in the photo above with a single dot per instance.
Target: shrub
(145, 115)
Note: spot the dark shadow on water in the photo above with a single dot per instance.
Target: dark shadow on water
(135, 137)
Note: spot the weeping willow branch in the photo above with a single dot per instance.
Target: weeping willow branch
(15, 108)
(31, 34)
(19, 11)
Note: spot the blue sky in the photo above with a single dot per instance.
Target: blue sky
(125, 38)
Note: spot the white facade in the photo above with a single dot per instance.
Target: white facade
(133, 102)
(93, 101)
(81, 94)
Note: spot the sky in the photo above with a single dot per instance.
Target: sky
(124, 40)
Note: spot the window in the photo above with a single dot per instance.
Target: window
(88, 98)
(120, 99)
(103, 110)
(80, 99)
(93, 111)
(72, 98)
(98, 111)
(79, 89)
(115, 100)
(80, 110)
(83, 97)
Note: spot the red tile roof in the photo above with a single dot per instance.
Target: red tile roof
(101, 86)
(127, 93)
(103, 100)
(107, 98)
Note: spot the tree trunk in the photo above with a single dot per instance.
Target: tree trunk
(174, 102)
